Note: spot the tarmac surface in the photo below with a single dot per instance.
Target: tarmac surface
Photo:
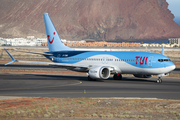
(37, 85)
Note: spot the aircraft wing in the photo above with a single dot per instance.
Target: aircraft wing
(46, 63)
(54, 64)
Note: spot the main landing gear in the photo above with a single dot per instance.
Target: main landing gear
(159, 80)
(117, 76)
(90, 79)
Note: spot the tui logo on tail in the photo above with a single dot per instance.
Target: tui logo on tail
(50, 41)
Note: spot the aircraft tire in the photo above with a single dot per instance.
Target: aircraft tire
(159, 80)
(117, 77)
(90, 79)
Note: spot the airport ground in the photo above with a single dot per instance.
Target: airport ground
(45, 92)
(53, 93)
(50, 96)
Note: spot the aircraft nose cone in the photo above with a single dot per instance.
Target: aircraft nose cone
(173, 67)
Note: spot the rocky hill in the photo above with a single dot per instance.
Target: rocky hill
(89, 19)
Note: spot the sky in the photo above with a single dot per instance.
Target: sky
(174, 6)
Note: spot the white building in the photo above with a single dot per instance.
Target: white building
(159, 45)
(22, 41)
(2, 42)
(19, 42)
(39, 41)
(81, 41)
(174, 41)
(30, 37)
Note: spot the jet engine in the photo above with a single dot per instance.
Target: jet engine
(99, 73)
(142, 76)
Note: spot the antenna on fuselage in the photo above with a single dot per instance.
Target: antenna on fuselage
(162, 52)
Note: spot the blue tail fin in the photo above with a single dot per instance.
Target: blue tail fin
(53, 39)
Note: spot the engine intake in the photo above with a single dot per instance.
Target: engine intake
(99, 73)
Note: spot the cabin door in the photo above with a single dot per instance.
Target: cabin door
(150, 59)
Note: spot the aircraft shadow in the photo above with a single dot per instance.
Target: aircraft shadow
(84, 78)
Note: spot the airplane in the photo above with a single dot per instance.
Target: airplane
(101, 64)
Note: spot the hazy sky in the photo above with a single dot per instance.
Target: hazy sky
(174, 6)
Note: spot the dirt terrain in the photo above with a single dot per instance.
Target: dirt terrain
(89, 108)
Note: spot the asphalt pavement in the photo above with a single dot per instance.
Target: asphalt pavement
(37, 85)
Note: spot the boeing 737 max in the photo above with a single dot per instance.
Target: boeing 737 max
(101, 64)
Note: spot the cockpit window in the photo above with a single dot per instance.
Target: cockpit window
(163, 60)
(166, 59)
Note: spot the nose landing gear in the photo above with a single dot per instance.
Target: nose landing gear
(159, 80)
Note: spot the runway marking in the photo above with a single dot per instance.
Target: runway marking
(79, 82)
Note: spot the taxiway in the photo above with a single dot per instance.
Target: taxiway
(37, 85)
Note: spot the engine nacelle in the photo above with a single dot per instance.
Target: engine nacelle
(99, 73)
(142, 76)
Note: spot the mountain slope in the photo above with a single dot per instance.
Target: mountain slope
(89, 19)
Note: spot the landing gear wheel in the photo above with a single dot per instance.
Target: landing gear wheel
(159, 80)
(90, 79)
(117, 76)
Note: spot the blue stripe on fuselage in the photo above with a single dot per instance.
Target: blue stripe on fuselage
(137, 59)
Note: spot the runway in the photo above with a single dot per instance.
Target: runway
(35, 85)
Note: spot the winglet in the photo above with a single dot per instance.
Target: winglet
(162, 52)
(12, 58)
